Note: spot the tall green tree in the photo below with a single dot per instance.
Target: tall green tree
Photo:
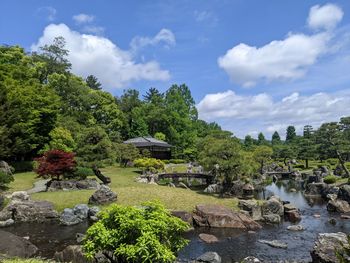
(93, 83)
(261, 139)
(262, 154)
(276, 139)
(290, 134)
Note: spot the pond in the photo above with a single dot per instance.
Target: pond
(233, 246)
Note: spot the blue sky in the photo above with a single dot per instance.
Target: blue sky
(251, 65)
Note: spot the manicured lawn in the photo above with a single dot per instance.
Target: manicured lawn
(23, 181)
(22, 260)
(128, 191)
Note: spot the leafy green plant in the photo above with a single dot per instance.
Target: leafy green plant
(83, 172)
(136, 234)
(149, 164)
(177, 161)
(330, 179)
(5, 179)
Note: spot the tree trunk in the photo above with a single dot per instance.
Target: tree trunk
(262, 167)
(307, 163)
(285, 161)
(342, 163)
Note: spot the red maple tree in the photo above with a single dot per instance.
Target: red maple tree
(56, 163)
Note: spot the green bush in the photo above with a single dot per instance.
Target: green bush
(301, 166)
(332, 161)
(5, 179)
(83, 172)
(177, 161)
(149, 164)
(24, 166)
(330, 179)
(136, 234)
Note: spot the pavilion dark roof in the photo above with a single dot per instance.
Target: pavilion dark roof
(147, 142)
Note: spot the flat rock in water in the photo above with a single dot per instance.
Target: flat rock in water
(207, 238)
(209, 257)
(221, 216)
(16, 246)
(296, 228)
(274, 243)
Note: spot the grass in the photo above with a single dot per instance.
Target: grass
(23, 181)
(22, 260)
(129, 192)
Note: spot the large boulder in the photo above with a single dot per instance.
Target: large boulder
(16, 246)
(183, 215)
(68, 218)
(326, 245)
(72, 253)
(273, 206)
(66, 185)
(29, 211)
(102, 196)
(209, 257)
(221, 216)
(344, 193)
(207, 238)
(81, 211)
(272, 219)
(339, 206)
(316, 189)
(252, 207)
(5, 168)
(213, 189)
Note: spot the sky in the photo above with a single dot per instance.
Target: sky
(252, 65)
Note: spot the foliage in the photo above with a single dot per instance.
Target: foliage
(22, 166)
(262, 154)
(176, 161)
(160, 136)
(136, 234)
(127, 153)
(330, 179)
(61, 139)
(83, 172)
(290, 134)
(56, 164)
(276, 139)
(5, 179)
(93, 83)
(149, 164)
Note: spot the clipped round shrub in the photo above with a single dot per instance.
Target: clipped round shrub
(330, 179)
(83, 172)
(149, 164)
(148, 233)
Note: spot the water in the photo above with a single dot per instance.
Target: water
(233, 246)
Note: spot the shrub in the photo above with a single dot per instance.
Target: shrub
(83, 172)
(136, 234)
(56, 163)
(332, 161)
(330, 179)
(24, 166)
(149, 164)
(301, 166)
(177, 161)
(5, 179)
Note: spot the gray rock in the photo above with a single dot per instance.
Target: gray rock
(81, 211)
(16, 246)
(326, 245)
(344, 193)
(289, 207)
(183, 215)
(182, 185)
(340, 206)
(250, 260)
(272, 219)
(252, 207)
(209, 257)
(316, 189)
(20, 196)
(103, 196)
(79, 237)
(7, 222)
(71, 253)
(213, 189)
(274, 243)
(207, 238)
(273, 206)
(93, 211)
(296, 228)
(68, 185)
(68, 217)
(6, 168)
(2, 201)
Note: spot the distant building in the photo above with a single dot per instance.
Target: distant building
(158, 149)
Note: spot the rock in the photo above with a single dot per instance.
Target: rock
(182, 185)
(345, 216)
(221, 216)
(81, 211)
(7, 222)
(213, 189)
(20, 196)
(273, 243)
(16, 246)
(293, 216)
(344, 193)
(209, 257)
(29, 211)
(237, 188)
(317, 216)
(340, 206)
(93, 211)
(296, 228)
(248, 191)
(331, 197)
(2, 201)
(79, 237)
(69, 218)
(208, 238)
(272, 219)
(69, 185)
(326, 245)
(141, 180)
(250, 260)
(103, 196)
(251, 232)
(6, 168)
(315, 188)
(289, 207)
(252, 207)
(332, 221)
(171, 185)
(184, 216)
(273, 206)
(72, 253)
(292, 190)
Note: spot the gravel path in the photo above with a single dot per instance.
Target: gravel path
(39, 186)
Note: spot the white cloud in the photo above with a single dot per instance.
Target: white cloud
(324, 17)
(165, 36)
(49, 12)
(281, 60)
(274, 115)
(83, 18)
(97, 30)
(90, 54)
(205, 16)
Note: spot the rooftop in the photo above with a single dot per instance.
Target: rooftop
(147, 141)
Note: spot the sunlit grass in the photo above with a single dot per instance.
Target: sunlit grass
(23, 181)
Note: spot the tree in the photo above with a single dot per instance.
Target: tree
(308, 131)
(61, 139)
(262, 154)
(307, 145)
(56, 164)
(146, 233)
(160, 136)
(127, 153)
(261, 139)
(290, 134)
(93, 83)
(154, 96)
(276, 139)
(249, 142)
(331, 137)
(222, 155)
